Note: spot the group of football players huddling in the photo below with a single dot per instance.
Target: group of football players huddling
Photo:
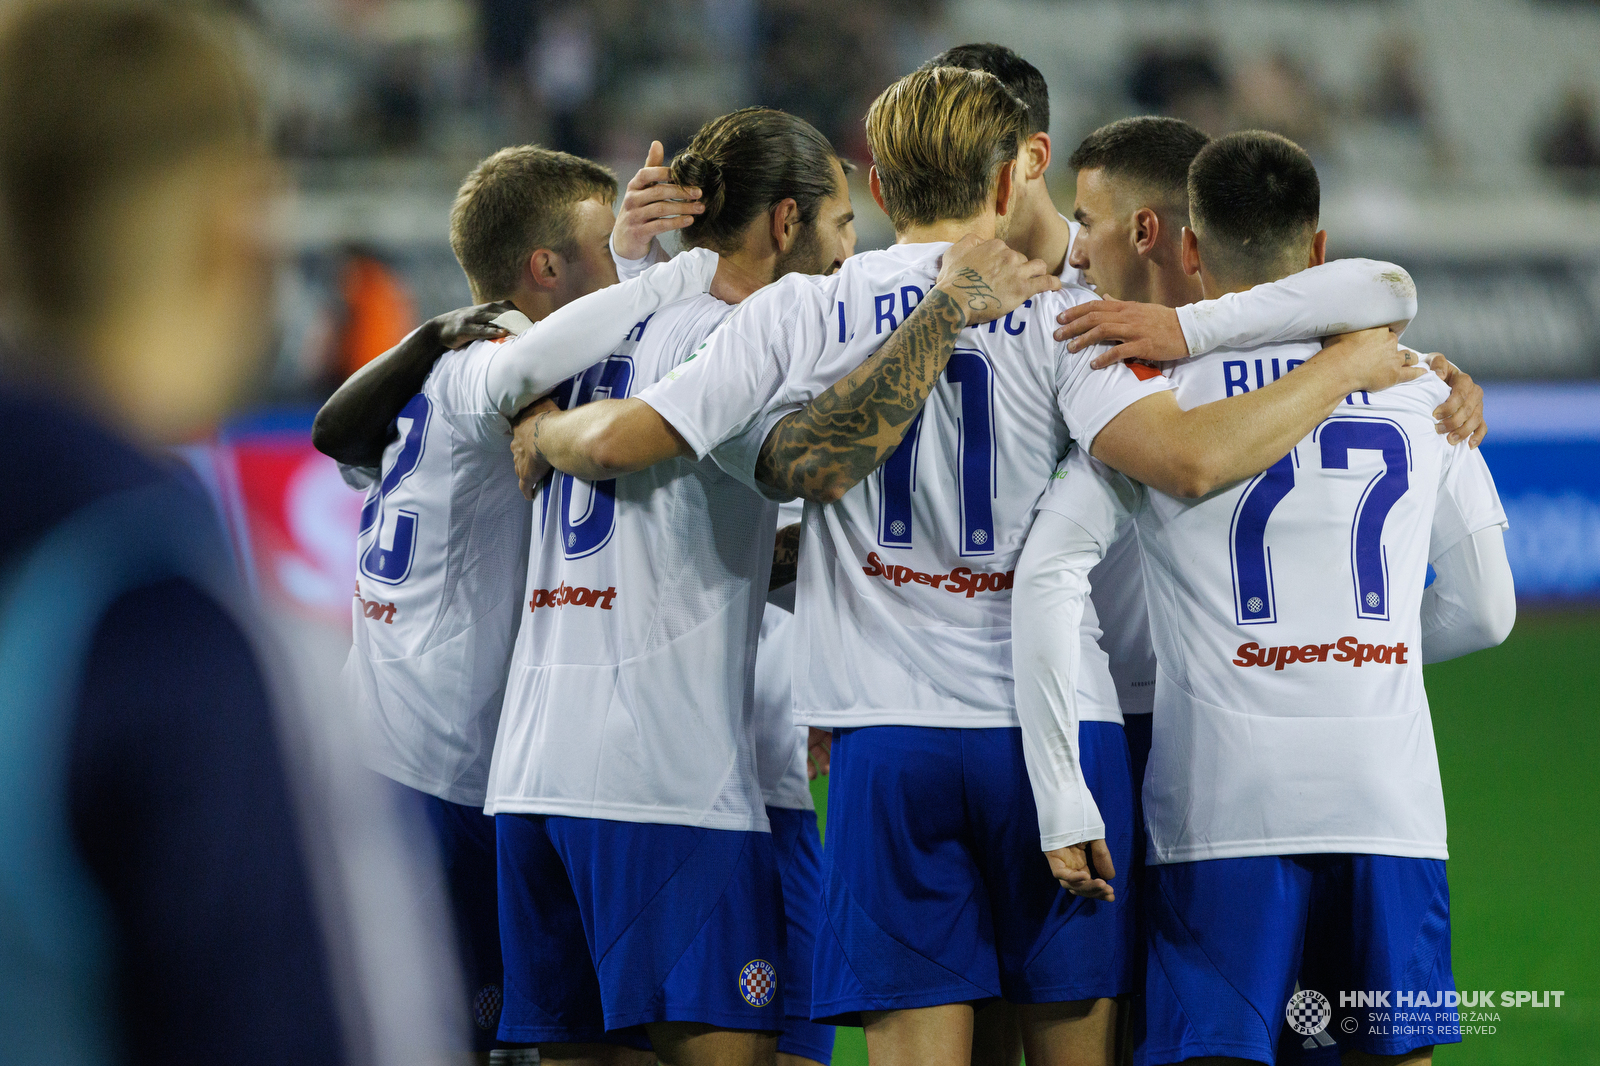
(1089, 557)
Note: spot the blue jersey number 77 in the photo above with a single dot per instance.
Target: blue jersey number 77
(1255, 601)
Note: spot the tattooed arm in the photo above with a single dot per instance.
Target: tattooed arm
(785, 556)
(823, 450)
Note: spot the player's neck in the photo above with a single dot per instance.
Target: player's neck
(1041, 233)
(948, 230)
(1171, 287)
(535, 303)
(744, 271)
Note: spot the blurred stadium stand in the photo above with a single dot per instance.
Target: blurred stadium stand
(1460, 138)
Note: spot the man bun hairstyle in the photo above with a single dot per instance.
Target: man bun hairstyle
(747, 161)
(1014, 72)
(1150, 151)
(514, 203)
(1254, 203)
(939, 136)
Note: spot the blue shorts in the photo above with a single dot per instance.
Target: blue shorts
(799, 848)
(606, 926)
(1230, 938)
(934, 887)
(464, 837)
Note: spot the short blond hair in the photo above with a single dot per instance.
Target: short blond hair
(515, 202)
(939, 137)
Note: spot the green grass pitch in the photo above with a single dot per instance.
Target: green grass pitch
(1518, 731)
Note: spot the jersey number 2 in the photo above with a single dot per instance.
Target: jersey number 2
(1253, 595)
(591, 529)
(389, 557)
(971, 371)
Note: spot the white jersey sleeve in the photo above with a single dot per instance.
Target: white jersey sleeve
(443, 537)
(1046, 621)
(1336, 297)
(575, 337)
(745, 371)
(632, 268)
(1468, 500)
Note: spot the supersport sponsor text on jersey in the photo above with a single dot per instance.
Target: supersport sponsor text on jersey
(958, 581)
(1344, 650)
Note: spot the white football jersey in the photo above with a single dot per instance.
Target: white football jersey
(439, 561)
(630, 695)
(1290, 714)
(904, 607)
(781, 746)
(1334, 297)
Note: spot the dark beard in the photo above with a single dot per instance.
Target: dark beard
(806, 255)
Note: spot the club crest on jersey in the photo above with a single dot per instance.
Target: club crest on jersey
(758, 982)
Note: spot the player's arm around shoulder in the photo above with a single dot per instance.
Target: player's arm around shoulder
(826, 448)
(597, 441)
(1192, 453)
(353, 427)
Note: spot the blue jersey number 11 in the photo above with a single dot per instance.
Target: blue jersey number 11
(970, 370)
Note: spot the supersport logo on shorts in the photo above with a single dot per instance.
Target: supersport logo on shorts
(960, 580)
(1345, 650)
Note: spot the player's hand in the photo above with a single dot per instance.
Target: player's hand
(652, 205)
(1139, 331)
(461, 327)
(1084, 869)
(531, 466)
(1372, 359)
(988, 279)
(819, 752)
(1461, 414)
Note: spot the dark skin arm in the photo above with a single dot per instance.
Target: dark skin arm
(826, 448)
(785, 556)
(357, 422)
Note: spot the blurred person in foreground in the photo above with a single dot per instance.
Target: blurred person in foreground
(159, 901)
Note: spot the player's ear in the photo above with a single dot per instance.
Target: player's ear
(1005, 187)
(1036, 152)
(1146, 230)
(785, 220)
(1319, 248)
(877, 191)
(1191, 252)
(546, 268)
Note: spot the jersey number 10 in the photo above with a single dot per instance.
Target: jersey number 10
(591, 530)
(1253, 595)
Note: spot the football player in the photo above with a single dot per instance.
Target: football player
(1296, 820)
